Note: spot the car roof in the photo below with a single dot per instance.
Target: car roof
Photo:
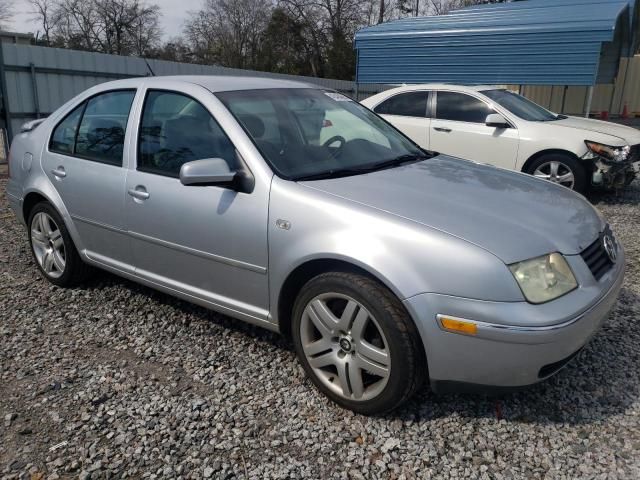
(213, 83)
(448, 86)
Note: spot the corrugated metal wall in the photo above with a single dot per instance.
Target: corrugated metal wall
(606, 98)
(40, 79)
(537, 42)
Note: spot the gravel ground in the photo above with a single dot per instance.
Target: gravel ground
(115, 380)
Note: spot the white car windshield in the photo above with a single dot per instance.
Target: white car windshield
(307, 133)
(520, 106)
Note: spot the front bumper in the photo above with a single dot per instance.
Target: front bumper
(517, 343)
(609, 174)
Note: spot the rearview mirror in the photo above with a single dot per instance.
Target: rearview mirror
(496, 120)
(208, 171)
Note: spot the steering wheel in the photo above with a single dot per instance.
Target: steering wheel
(334, 139)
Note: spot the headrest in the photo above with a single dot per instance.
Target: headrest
(253, 123)
(184, 127)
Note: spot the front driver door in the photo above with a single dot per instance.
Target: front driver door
(459, 129)
(206, 242)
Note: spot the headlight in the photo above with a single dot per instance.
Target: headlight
(544, 278)
(612, 154)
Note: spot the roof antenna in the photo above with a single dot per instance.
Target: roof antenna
(149, 67)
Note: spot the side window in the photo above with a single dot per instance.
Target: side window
(102, 129)
(461, 107)
(64, 135)
(176, 129)
(411, 104)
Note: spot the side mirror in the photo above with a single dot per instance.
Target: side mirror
(496, 120)
(208, 171)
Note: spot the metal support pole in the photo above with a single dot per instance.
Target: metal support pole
(624, 86)
(589, 99)
(4, 104)
(34, 84)
(613, 96)
(564, 98)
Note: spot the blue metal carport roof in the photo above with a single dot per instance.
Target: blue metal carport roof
(535, 42)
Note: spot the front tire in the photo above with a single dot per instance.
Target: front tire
(52, 247)
(357, 343)
(561, 169)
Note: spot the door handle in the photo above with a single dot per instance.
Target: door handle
(139, 193)
(59, 172)
(442, 129)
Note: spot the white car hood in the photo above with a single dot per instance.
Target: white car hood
(626, 134)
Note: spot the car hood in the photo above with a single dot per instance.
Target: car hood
(512, 215)
(626, 134)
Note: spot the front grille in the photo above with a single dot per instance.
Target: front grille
(596, 257)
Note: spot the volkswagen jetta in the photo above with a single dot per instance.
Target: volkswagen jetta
(295, 208)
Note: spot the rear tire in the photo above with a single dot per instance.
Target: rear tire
(357, 343)
(53, 249)
(561, 169)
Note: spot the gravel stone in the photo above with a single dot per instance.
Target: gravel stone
(141, 385)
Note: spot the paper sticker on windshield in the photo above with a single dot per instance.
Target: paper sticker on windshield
(338, 97)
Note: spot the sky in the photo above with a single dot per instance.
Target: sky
(174, 13)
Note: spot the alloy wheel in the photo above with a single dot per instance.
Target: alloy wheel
(48, 245)
(345, 346)
(556, 172)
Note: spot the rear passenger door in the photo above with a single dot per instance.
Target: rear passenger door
(408, 112)
(459, 129)
(86, 162)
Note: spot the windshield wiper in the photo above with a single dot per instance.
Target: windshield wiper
(335, 173)
(345, 172)
(397, 161)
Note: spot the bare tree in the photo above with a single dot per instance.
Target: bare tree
(6, 12)
(229, 32)
(127, 25)
(123, 27)
(47, 14)
(442, 7)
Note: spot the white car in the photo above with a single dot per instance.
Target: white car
(496, 126)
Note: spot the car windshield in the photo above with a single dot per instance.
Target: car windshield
(307, 133)
(520, 106)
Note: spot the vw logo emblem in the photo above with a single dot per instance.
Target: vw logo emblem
(610, 248)
(345, 344)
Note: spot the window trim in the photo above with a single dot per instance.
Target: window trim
(427, 112)
(435, 107)
(164, 173)
(84, 104)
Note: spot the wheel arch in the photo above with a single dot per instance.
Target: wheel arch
(42, 192)
(548, 151)
(309, 269)
(30, 201)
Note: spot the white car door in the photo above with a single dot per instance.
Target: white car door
(407, 112)
(459, 129)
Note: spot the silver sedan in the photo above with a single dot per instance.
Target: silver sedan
(297, 209)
